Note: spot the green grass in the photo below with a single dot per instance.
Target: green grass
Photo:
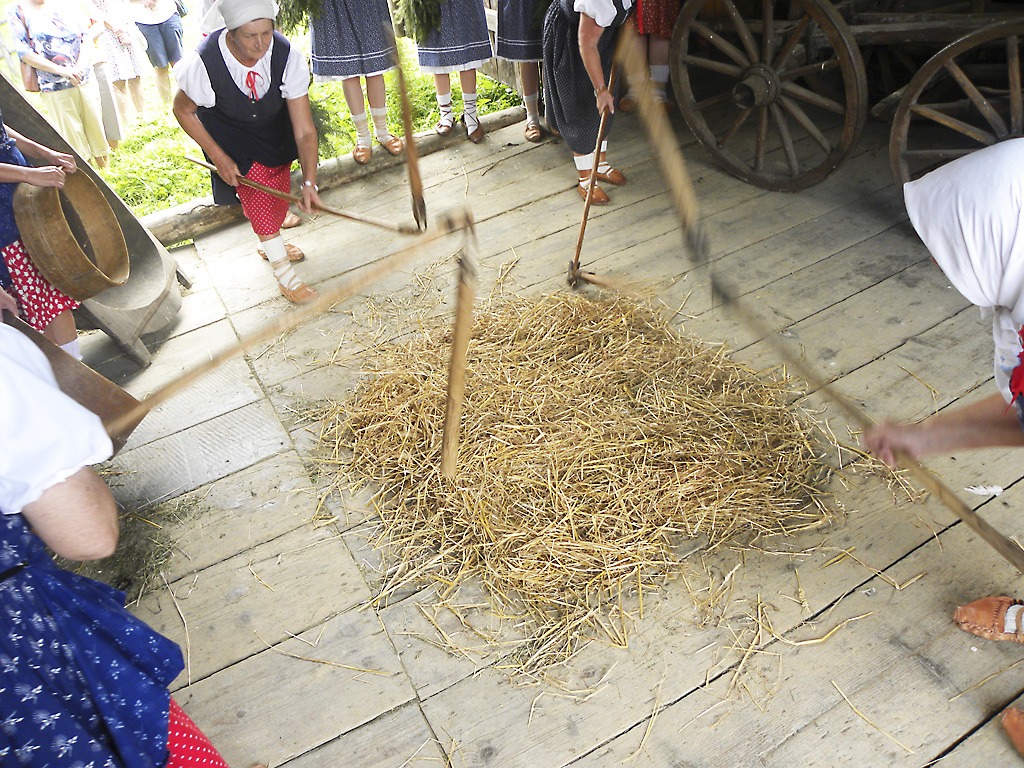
(148, 170)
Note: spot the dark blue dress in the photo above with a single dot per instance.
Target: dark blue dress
(350, 39)
(519, 31)
(82, 681)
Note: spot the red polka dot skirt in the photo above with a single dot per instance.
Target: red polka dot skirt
(188, 746)
(38, 300)
(265, 212)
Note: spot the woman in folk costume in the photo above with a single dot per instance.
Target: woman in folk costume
(579, 42)
(244, 99)
(451, 36)
(350, 39)
(970, 215)
(519, 40)
(84, 682)
(655, 20)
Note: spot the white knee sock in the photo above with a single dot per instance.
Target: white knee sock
(1010, 621)
(72, 349)
(532, 104)
(469, 110)
(277, 255)
(584, 164)
(362, 130)
(659, 78)
(444, 104)
(380, 124)
(602, 165)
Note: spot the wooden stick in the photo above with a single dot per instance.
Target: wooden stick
(346, 287)
(373, 221)
(412, 156)
(574, 265)
(457, 366)
(673, 169)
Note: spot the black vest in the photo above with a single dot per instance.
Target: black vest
(248, 130)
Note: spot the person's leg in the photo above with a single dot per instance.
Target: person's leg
(64, 112)
(121, 100)
(376, 94)
(92, 121)
(62, 332)
(605, 172)
(529, 74)
(163, 83)
(467, 79)
(628, 102)
(138, 99)
(443, 88)
(584, 167)
(43, 306)
(353, 90)
(109, 113)
(658, 51)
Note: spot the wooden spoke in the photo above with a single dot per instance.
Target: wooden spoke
(761, 142)
(798, 114)
(816, 99)
(721, 67)
(749, 44)
(741, 118)
(1013, 69)
(787, 139)
(817, 67)
(721, 43)
(978, 134)
(977, 98)
(767, 28)
(935, 155)
(790, 45)
(710, 101)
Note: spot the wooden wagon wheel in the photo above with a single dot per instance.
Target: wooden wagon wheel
(765, 110)
(967, 96)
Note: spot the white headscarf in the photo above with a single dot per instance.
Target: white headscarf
(238, 12)
(970, 214)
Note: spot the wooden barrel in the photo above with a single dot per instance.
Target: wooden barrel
(72, 236)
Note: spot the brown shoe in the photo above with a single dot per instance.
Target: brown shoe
(477, 135)
(986, 618)
(361, 154)
(1013, 724)
(533, 132)
(298, 292)
(443, 129)
(628, 103)
(393, 145)
(600, 197)
(294, 252)
(291, 220)
(614, 176)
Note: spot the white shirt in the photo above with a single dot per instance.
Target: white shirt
(194, 80)
(601, 11)
(45, 436)
(970, 214)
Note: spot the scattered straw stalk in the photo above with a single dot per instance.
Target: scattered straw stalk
(593, 437)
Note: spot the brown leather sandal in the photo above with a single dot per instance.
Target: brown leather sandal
(986, 618)
(394, 145)
(600, 197)
(533, 132)
(1013, 724)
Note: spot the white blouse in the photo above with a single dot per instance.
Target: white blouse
(601, 11)
(194, 80)
(45, 436)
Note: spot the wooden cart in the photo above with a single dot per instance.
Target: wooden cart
(778, 91)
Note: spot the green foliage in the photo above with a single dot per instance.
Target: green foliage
(149, 171)
(419, 17)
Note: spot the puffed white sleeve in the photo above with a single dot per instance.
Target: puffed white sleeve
(45, 436)
(192, 77)
(601, 11)
(295, 82)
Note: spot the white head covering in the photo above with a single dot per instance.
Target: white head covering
(970, 214)
(238, 12)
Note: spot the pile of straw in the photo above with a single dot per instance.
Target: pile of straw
(594, 438)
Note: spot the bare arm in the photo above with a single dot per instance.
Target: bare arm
(50, 175)
(589, 33)
(77, 518)
(985, 424)
(306, 141)
(185, 113)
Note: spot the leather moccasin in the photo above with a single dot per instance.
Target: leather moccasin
(299, 294)
(986, 618)
(476, 136)
(294, 252)
(614, 176)
(600, 197)
(393, 145)
(1013, 724)
(443, 129)
(291, 220)
(628, 103)
(361, 154)
(533, 132)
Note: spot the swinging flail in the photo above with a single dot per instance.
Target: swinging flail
(677, 178)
